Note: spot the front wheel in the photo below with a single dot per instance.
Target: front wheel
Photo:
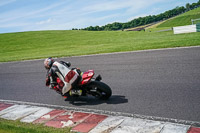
(100, 90)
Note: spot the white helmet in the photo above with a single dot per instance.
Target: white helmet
(48, 62)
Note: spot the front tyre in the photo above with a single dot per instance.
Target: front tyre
(100, 90)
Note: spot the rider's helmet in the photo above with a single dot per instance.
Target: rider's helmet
(48, 62)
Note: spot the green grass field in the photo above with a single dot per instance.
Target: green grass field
(7, 126)
(184, 19)
(41, 44)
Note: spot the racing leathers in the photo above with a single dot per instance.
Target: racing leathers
(61, 70)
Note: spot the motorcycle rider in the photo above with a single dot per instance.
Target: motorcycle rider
(69, 77)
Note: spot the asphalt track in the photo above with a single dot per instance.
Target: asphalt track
(160, 83)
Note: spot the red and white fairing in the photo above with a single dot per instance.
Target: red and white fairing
(67, 76)
(86, 77)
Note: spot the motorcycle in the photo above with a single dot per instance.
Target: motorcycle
(89, 86)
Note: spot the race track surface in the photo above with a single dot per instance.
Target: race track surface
(161, 83)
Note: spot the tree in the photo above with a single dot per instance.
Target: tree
(181, 9)
(125, 26)
(193, 5)
(187, 6)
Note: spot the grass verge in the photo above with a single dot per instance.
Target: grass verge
(7, 126)
(181, 20)
(42, 44)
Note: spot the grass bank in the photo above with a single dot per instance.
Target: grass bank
(7, 126)
(42, 44)
(184, 19)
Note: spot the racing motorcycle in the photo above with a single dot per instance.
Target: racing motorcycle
(89, 86)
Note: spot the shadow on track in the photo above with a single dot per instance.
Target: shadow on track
(79, 101)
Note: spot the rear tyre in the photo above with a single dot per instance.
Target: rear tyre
(100, 90)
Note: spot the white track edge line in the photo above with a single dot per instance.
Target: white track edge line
(113, 53)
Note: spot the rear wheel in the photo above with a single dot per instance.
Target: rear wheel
(100, 90)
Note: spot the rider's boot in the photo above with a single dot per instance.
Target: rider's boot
(75, 88)
(75, 92)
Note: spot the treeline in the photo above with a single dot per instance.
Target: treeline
(144, 20)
